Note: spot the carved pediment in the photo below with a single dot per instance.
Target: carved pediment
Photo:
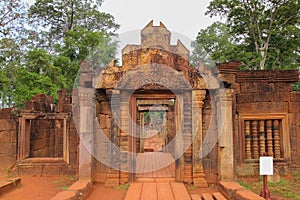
(153, 76)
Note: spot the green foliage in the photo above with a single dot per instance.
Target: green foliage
(213, 44)
(38, 76)
(12, 17)
(125, 186)
(262, 34)
(64, 188)
(45, 55)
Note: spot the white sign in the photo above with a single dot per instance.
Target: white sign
(266, 165)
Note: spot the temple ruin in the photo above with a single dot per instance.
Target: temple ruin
(207, 125)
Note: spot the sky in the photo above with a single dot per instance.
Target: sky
(182, 16)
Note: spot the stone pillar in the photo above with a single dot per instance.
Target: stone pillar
(198, 171)
(225, 148)
(187, 136)
(87, 114)
(124, 137)
(113, 176)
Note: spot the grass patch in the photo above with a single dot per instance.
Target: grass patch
(287, 188)
(192, 187)
(64, 188)
(245, 185)
(8, 172)
(126, 186)
(58, 181)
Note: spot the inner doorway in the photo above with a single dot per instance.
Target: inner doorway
(155, 141)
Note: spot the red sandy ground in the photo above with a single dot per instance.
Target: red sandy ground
(41, 188)
(44, 188)
(99, 192)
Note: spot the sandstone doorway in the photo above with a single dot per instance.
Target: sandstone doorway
(155, 143)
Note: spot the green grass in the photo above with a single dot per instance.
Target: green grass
(64, 188)
(58, 181)
(126, 186)
(8, 171)
(192, 187)
(286, 188)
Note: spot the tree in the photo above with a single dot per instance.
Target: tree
(73, 31)
(12, 17)
(10, 59)
(267, 31)
(213, 44)
(39, 75)
(98, 48)
(57, 18)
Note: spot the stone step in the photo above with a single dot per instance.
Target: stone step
(218, 196)
(157, 180)
(195, 197)
(9, 185)
(207, 196)
(157, 191)
(149, 191)
(134, 191)
(179, 191)
(164, 191)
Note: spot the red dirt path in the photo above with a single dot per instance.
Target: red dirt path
(99, 192)
(41, 188)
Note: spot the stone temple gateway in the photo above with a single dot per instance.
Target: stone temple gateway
(155, 116)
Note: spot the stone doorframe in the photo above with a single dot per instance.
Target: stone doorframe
(189, 167)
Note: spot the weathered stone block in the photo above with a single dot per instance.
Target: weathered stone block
(248, 87)
(66, 195)
(245, 170)
(7, 125)
(294, 107)
(7, 160)
(295, 96)
(230, 188)
(263, 97)
(51, 170)
(281, 96)
(282, 87)
(31, 105)
(245, 98)
(104, 108)
(247, 195)
(108, 121)
(6, 113)
(5, 137)
(8, 148)
(280, 107)
(265, 87)
(102, 121)
(67, 108)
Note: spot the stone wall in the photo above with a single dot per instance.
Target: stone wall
(102, 145)
(264, 94)
(294, 128)
(45, 124)
(46, 138)
(8, 137)
(209, 126)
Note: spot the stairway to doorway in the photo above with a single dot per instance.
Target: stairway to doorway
(154, 166)
(157, 191)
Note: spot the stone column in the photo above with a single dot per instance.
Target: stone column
(198, 171)
(124, 137)
(87, 114)
(187, 136)
(225, 148)
(113, 176)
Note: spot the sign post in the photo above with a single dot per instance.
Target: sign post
(265, 169)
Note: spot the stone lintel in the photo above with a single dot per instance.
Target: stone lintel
(272, 76)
